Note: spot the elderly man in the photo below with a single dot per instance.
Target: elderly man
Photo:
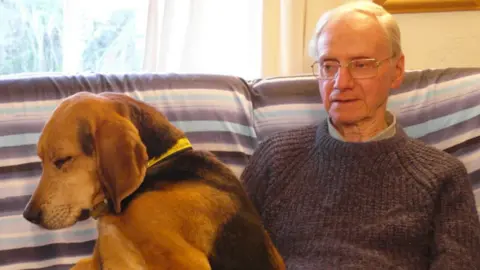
(356, 192)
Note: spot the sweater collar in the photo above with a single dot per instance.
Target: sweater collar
(384, 134)
(328, 144)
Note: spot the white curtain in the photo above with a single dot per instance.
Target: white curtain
(204, 36)
(120, 36)
(247, 38)
(284, 34)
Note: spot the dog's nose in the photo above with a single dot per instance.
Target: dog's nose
(32, 214)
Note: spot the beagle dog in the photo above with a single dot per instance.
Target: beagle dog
(159, 203)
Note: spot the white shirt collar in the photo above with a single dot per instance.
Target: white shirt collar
(384, 134)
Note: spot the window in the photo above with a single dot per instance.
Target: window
(71, 36)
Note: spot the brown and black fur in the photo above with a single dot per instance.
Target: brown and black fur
(186, 212)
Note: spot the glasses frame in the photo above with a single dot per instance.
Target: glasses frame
(348, 66)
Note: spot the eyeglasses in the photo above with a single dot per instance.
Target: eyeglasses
(358, 68)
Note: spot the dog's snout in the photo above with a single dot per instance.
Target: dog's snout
(33, 214)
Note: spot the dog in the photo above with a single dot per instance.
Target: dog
(159, 203)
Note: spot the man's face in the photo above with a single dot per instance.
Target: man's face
(349, 100)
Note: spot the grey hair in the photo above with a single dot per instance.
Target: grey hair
(384, 18)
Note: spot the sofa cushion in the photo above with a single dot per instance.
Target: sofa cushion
(440, 107)
(214, 112)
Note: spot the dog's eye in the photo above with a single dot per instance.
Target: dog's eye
(59, 162)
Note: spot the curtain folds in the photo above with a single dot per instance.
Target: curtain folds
(283, 41)
(207, 36)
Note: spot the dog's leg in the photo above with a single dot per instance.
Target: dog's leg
(116, 251)
(189, 259)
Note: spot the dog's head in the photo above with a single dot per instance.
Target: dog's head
(91, 149)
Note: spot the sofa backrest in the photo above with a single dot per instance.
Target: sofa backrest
(213, 111)
(222, 114)
(440, 107)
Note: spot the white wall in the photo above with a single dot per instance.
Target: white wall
(429, 40)
(443, 39)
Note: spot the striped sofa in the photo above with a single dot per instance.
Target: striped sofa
(223, 114)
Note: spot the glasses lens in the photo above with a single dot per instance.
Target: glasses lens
(363, 68)
(328, 69)
(359, 69)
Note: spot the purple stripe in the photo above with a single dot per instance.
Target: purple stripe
(265, 101)
(13, 205)
(222, 138)
(21, 126)
(21, 151)
(285, 92)
(52, 251)
(451, 131)
(247, 142)
(18, 172)
(191, 114)
(211, 114)
(43, 87)
(56, 267)
(419, 79)
(408, 116)
(465, 147)
(30, 169)
(413, 116)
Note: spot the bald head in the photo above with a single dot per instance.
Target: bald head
(360, 15)
(353, 28)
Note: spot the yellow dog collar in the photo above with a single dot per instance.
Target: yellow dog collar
(181, 144)
(99, 209)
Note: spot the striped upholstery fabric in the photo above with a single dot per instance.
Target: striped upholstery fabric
(222, 114)
(440, 107)
(214, 111)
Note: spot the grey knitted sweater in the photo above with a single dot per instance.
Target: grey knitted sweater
(390, 204)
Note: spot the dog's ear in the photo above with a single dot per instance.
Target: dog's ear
(122, 159)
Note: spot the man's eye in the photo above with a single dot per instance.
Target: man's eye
(363, 64)
(329, 66)
(61, 161)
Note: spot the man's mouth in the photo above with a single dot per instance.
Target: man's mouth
(344, 101)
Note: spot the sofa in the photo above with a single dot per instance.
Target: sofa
(226, 115)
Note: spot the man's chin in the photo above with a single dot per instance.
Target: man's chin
(340, 119)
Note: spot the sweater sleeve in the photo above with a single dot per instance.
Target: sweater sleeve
(255, 176)
(456, 225)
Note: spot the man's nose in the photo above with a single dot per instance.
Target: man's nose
(343, 79)
(32, 213)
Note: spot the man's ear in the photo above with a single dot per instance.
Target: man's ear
(399, 71)
(122, 159)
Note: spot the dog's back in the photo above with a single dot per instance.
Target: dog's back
(241, 242)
